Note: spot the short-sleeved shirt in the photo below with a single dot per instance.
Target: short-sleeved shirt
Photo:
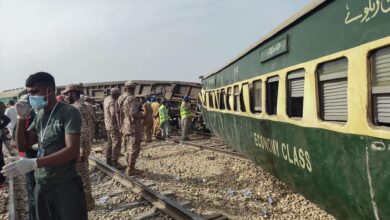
(65, 119)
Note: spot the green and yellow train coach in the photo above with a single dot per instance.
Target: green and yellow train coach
(310, 103)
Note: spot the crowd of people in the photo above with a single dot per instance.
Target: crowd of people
(55, 134)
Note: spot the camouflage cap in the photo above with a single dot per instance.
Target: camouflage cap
(72, 87)
(130, 83)
(115, 91)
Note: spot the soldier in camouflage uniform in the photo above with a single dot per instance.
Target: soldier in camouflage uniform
(72, 92)
(112, 127)
(148, 120)
(93, 119)
(120, 101)
(131, 119)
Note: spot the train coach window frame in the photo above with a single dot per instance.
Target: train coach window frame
(222, 99)
(236, 93)
(210, 96)
(380, 86)
(242, 100)
(256, 96)
(332, 79)
(228, 94)
(295, 93)
(272, 95)
(217, 100)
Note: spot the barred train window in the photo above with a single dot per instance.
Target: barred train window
(236, 98)
(229, 94)
(333, 85)
(256, 97)
(295, 83)
(222, 99)
(381, 86)
(272, 95)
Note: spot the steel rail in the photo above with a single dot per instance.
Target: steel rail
(163, 203)
(211, 148)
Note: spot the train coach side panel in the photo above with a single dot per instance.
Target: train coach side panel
(340, 172)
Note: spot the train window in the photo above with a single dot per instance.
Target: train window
(236, 98)
(333, 85)
(380, 90)
(228, 103)
(222, 99)
(242, 102)
(256, 97)
(272, 95)
(211, 104)
(295, 83)
(217, 99)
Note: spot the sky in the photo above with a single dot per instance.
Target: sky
(108, 40)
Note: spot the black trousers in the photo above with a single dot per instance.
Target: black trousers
(65, 201)
(2, 163)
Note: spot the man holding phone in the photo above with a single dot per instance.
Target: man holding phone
(59, 192)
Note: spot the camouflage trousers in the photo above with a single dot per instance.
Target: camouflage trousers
(133, 148)
(83, 170)
(148, 129)
(113, 145)
(156, 126)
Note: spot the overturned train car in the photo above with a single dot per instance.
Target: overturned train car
(173, 91)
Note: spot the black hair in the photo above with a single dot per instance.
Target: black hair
(41, 78)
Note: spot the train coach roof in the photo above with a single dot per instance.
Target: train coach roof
(138, 82)
(314, 4)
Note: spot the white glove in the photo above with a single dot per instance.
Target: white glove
(22, 109)
(35, 147)
(20, 167)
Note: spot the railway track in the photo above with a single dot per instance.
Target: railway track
(158, 200)
(216, 182)
(207, 141)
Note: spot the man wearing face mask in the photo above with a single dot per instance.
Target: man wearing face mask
(73, 94)
(59, 192)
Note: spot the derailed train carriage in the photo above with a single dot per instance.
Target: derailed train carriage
(173, 91)
(310, 103)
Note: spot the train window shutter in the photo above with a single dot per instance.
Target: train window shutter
(296, 81)
(381, 86)
(333, 77)
(256, 96)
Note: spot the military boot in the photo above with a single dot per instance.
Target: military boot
(134, 172)
(117, 165)
(109, 162)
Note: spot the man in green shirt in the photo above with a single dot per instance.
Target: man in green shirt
(59, 192)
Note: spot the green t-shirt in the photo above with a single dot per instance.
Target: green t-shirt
(65, 119)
